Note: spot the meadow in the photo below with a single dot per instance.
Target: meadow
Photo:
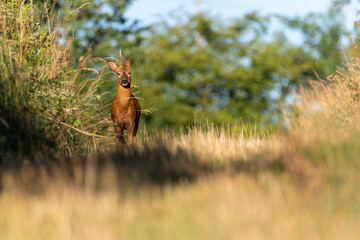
(207, 181)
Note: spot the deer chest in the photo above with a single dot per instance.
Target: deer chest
(121, 114)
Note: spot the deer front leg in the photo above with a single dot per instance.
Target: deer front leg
(130, 130)
(120, 140)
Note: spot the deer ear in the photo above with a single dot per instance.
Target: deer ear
(127, 61)
(112, 65)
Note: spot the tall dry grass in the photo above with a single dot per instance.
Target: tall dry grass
(164, 186)
(206, 182)
(216, 208)
(40, 93)
(210, 182)
(162, 189)
(325, 129)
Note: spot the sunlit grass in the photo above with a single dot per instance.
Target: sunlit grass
(216, 208)
(206, 182)
(252, 193)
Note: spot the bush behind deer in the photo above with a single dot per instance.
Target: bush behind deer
(39, 90)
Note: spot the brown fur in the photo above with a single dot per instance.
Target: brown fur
(125, 109)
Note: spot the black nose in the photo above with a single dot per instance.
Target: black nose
(124, 82)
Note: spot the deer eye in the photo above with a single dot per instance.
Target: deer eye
(129, 73)
(118, 74)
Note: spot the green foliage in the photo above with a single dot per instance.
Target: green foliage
(38, 90)
(203, 69)
(99, 27)
(23, 135)
(322, 34)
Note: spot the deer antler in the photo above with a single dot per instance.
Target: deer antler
(120, 57)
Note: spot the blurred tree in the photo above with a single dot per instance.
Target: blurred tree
(322, 37)
(203, 69)
(223, 72)
(100, 27)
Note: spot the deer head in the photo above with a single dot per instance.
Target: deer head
(122, 71)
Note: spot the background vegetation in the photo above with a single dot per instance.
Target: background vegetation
(207, 68)
(273, 154)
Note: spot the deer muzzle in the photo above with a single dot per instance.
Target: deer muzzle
(124, 81)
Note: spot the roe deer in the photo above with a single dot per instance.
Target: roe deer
(125, 109)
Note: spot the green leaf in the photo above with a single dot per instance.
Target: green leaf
(77, 123)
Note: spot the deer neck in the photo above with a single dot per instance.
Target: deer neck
(123, 95)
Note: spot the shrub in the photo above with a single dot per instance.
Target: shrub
(39, 89)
